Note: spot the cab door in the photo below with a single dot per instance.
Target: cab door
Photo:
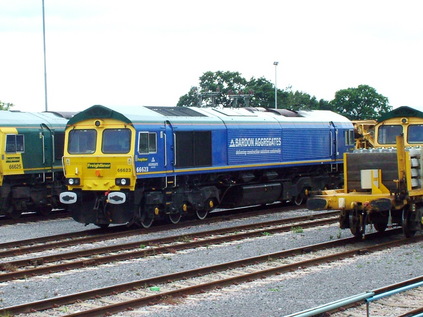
(47, 147)
(151, 155)
(334, 147)
(169, 154)
(169, 148)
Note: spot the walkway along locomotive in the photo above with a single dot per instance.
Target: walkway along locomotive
(31, 174)
(383, 186)
(138, 164)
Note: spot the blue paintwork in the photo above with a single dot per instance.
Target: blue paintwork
(241, 138)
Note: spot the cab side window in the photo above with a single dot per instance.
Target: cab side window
(388, 133)
(415, 133)
(349, 137)
(15, 143)
(147, 142)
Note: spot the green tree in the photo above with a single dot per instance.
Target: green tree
(231, 89)
(215, 89)
(5, 105)
(297, 100)
(263, 93)
(360, 103)
(191, 99)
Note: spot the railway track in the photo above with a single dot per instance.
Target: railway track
(14, 248)
(46, 264)
(172, 287)
(403, 299)
(33, 217)
(403, 304)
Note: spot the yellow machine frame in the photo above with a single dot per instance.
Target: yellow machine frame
(375, 197)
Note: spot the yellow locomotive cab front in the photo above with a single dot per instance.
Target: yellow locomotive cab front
(99, 158)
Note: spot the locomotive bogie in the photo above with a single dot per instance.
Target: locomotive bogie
(192, 160)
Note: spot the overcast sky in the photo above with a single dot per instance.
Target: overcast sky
(135, 52)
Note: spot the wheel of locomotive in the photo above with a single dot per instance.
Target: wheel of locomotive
(174, 217)
(44, 210)
(145, 220)
(357, 225)
(300, 199)
(203, 213)
(13, 213)
(406, 223)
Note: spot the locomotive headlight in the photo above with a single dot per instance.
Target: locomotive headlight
(73, 181)
(122, 181)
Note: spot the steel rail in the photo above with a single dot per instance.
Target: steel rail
(170, 238)
(398, 285)
(10, 248)
(414, 313)
(73, 238)
(33, 217)
(359, 300)
(181, 244)
(153, 299)
(394, 291)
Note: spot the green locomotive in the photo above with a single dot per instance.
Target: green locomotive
(31, 175)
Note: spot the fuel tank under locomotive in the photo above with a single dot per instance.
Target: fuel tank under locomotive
(255, 194)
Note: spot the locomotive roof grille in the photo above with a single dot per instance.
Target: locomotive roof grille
(176, 112)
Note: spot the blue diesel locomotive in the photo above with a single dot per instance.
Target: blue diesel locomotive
(133, 165)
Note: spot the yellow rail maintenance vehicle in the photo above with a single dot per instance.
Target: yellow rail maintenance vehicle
(364, 133)
(383, 185)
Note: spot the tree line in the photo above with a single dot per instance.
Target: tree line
(5, 105)
(230, 89)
